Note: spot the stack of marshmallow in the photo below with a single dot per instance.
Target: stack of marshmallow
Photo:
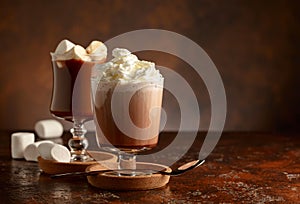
(23, 144)
(96, 51)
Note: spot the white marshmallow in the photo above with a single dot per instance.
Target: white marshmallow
(64, 46)
(60, 153)
(31, 152)
(67, 50)
(77, 52)
(49, 129)
(97, 50)
(44, 150)
(19, 141)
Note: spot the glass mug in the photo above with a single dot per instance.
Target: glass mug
(127, 117)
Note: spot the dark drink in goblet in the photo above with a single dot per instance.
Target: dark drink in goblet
(71, 95)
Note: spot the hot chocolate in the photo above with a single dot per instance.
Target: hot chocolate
(71, 97)
(127, 103)
(66, 73)
(72, 67)
(140, 106)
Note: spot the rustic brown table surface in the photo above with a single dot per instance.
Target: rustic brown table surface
(243, 168)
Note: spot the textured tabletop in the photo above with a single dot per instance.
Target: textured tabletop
(243, 168)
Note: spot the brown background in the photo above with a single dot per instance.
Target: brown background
(254, 44)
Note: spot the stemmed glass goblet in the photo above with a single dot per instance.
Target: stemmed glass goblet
(127, 118)
(71, 99)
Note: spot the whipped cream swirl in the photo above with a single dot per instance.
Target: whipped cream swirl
(126, 67)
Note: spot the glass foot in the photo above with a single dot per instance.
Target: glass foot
(129, 172)
(81, 158)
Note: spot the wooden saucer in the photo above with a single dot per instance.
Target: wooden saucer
(141, 182)
(54, 167)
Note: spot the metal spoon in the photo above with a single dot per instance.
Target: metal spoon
(180, 170)
(183, 168)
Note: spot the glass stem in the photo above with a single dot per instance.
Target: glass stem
(78, 143)
(127, 161)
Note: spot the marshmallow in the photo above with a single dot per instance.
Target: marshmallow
(31, 152)
(77, 52)
(67, 50)
(19, 141)
(52, 151)
(60, 153)
(49, 129)
(64, 46)
(44, 150)
(97, 50)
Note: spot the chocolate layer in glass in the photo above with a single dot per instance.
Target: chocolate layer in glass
(142, 102)
(71, 95)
